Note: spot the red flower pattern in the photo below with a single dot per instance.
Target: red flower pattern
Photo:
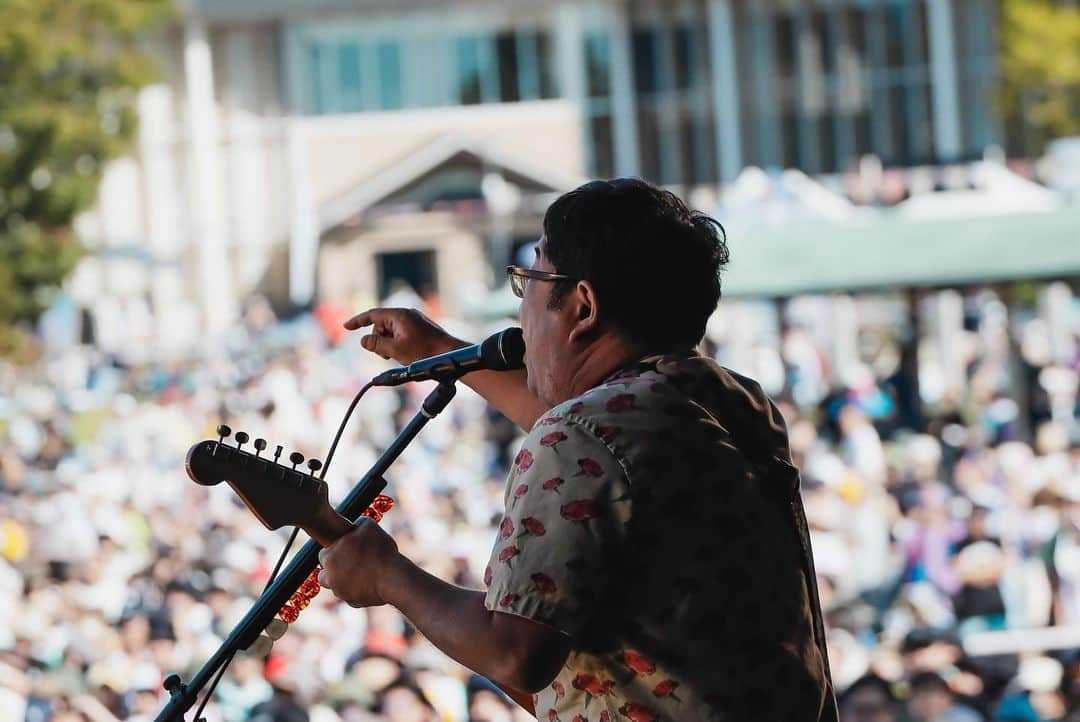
(576, 407)
(532, 525)
(553, 484)
(593, 685)
(553, 440)
(508, 553)
(605, 716)
(590, 467)
(506, 529)
(639, 664)
(544, 584)
(509, 599)
(560, 691)
(619, 404)
(638, 712)
(487, 576)
(666, 689)
(523, 460)
(553, 716)
(520, 491)
(579, 510)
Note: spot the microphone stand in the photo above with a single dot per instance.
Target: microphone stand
(183, 696)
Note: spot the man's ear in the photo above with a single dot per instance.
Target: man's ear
(586, 309)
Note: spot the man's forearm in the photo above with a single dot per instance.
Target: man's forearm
(452, 618)
(508, 392)
(455, 620)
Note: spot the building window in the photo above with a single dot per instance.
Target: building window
(899, 79)
(823, 86)
(598, 105)
(388, 61)
(416, 71)
(414, 270)
(673, 96)
(472, 75)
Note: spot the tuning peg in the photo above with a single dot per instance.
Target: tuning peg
(223, 431)
(296, 457)
(277, 453)
(260, 444)
(241, 438)
(314, 465)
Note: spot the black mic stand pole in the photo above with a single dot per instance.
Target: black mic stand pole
(183, 696)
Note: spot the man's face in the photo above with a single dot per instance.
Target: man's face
(546, 334)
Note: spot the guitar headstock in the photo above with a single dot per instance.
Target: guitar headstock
(276, 494)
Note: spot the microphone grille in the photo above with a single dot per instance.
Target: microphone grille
(504, 351)
(512, 346)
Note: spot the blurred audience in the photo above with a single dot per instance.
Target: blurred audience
(116, 569)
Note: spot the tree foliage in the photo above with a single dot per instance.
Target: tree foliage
(1040, 66)
(69, 72)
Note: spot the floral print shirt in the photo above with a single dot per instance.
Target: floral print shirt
(656, 520)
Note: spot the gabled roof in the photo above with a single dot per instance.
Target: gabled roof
(427, 159)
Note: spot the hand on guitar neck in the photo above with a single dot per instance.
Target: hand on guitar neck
(281, 496)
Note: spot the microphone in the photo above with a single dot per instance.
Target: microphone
(504, 351)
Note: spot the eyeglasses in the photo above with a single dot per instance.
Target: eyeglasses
(520, 277)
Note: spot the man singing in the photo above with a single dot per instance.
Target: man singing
(653, 561)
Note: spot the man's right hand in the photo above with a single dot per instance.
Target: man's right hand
(406, 335)
(403, 334)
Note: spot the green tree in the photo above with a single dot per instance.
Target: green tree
(69, 72)
(1040, 69)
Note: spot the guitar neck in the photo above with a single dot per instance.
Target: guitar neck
(327, 526)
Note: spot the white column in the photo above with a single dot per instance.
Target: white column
(172, 295)
(625, 131)
(1055, 306)
(944, 88)
(845, 337)
(570, 51)
(949, 329)
(246, 156)
(206, 181)
(304, 224)
(725, 90)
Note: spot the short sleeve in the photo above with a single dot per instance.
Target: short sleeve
(567, 504)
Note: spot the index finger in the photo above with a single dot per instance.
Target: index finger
(363, 319)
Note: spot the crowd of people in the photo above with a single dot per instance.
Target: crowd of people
(941, 551)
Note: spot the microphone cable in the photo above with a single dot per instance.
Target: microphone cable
(322, 475)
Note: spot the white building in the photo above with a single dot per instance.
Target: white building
(284, 127)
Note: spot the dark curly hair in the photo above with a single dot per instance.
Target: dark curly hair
(654, 263)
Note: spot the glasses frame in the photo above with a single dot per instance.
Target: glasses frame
(519, 277)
